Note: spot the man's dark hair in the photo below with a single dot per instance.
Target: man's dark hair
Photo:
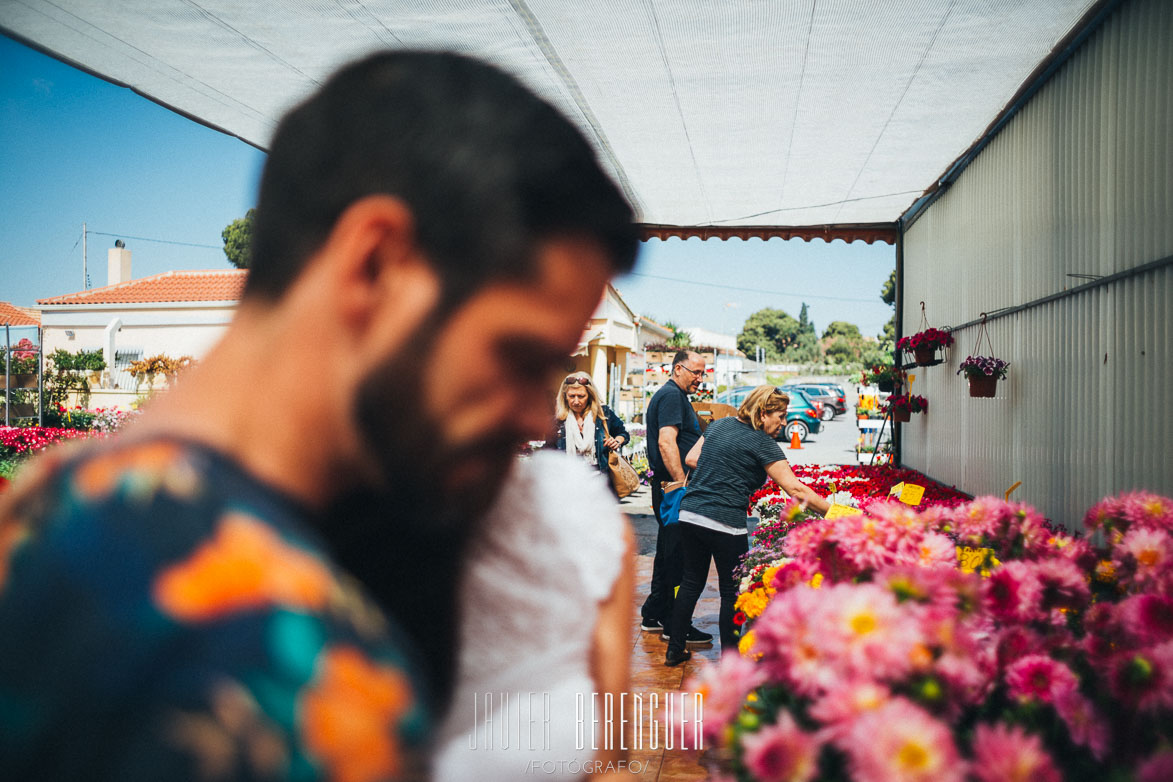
(682, 356)
(488, 169)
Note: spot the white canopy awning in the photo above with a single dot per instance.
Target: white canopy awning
(708, 113)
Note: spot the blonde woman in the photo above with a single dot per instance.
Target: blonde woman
(585, 427)
(731, 461)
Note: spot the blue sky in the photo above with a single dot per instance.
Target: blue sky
(76, 149)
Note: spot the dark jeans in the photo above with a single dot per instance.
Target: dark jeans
(666, 567)
(699, 545)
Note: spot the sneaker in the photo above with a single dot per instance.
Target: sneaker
(694, 636)
(651, 625)
(672, 660)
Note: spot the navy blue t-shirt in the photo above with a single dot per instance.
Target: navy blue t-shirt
(670, 407)
(732, 467)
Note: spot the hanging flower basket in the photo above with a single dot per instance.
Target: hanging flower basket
(924, 345)
(983, 386)
(902, 407)
(883, 377)
(983, 373)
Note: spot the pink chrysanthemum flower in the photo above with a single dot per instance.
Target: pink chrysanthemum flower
(1146, 510)
(1107, 513)
(1007, 754)
(1147, 552)
(934, 550)
(1085, 726)
(1014, 643)
(1148, 618)
(792, 574)
(1145, 678)
(781, 752)
(871, 633)
(793, 651)
(1038, 677)
(1063, 584)
(1012, 593)
(847, 700)
(968, 678)
(901, 742)
(1158, 768)
(723, 688)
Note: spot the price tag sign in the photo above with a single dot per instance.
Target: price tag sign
(970, 559)
(896, 490)
(911, 494)
(839, 511)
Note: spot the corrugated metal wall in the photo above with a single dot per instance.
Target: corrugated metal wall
(1079, 182)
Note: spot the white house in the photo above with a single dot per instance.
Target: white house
(177, 313)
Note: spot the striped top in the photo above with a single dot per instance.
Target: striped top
(732, 467)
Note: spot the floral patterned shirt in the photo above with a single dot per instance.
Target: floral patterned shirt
(163, 615)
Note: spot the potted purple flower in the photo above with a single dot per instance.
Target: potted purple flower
(983, 372)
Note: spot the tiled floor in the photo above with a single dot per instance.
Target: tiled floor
(649, 674)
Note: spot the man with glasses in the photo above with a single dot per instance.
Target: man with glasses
(673, 429)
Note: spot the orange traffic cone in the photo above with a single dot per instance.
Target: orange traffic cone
(795, 441)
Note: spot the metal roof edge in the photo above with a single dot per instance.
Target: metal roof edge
(848, 232)
(1091, 21)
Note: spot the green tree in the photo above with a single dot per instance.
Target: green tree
(238, 237)
(679, 339)
(841, 328)
(888, 292)
(843, 350)
(888, 296)
(773, 329)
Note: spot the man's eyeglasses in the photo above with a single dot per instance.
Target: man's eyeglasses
(693, 371)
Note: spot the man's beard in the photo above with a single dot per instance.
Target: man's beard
(406, 537)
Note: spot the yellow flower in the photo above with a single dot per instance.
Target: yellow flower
(752, 603)
(745, 645)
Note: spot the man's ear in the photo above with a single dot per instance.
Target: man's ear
(383, 284)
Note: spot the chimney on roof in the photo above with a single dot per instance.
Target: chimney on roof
(117, 263)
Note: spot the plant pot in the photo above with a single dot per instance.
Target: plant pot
(886, 386)
(983, 385)
(924, 356)
(28, 380)
(903, 416)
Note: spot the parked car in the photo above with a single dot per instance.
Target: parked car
(820, 394)
(838, 392)
(802, 415)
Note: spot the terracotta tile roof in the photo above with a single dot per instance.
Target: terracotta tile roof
(208, 285)
(12, 315)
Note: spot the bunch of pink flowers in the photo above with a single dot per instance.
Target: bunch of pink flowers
(878, 658)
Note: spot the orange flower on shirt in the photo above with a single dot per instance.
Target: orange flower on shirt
(349, 715)
(245, 566)
(160, 460)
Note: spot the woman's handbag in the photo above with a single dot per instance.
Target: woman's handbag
(623, 476)
(670, 505)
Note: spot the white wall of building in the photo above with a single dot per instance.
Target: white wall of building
(1079, 182)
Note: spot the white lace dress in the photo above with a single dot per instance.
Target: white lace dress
(523, 700)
